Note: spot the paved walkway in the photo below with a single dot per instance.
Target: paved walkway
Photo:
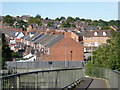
(90, 83)
(98, 83)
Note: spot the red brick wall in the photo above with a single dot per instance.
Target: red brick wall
(100, 40)
(75, 37)
(59, 52)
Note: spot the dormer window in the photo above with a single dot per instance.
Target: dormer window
(104, 33)
(95, 33)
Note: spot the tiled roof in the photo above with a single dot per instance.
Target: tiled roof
(99, 33)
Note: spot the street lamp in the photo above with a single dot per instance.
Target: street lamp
(71, 55)
(71, 58)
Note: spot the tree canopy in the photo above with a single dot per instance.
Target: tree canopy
(35, 20)
(21, 24)
(6, 52)
(9, 20)
(108, 55)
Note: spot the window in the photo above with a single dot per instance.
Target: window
(95, 33)
(104, 33)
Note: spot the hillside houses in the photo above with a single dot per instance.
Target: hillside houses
(66, 45)
(39, 44)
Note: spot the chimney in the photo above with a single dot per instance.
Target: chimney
(67, 34)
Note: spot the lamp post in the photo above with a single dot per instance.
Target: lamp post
(65, 54)
(71, 55)
(71, 58)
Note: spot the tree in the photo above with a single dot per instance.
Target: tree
(102, 23)
(35, 20)
(7, 54)
(62, 18)
(106, 28)
(67, 25)
(88, 21)
(57, 19)
(21, 24)
(38, 16)
(77, 18)
(50, 24)
(46, 18)
(108, 55)
(82, 19)
(9, 20)
(70, 19)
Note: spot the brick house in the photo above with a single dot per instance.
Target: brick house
(96, 37)
(64, 49)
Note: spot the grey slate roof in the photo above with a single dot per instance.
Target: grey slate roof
(31, 38)
(51, 37)
(57, 39)
(8, 32)
(25, 37)
(41, 39)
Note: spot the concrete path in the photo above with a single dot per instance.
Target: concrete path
(92, 83)
(98, 83)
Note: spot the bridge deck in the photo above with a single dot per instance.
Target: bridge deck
(98, 83)
(92, 83)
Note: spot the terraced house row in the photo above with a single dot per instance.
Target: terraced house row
(43, 46)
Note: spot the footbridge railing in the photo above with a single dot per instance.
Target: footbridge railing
(58, 78)
(112, 77)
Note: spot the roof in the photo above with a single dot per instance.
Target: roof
(26, 36)
(29, 39)
(91, 28)
(8, 32)
(78, 34)
(55, 40)
(51, 37)
(44, 38)
(41, 39)
(37, 37)
(99, 33)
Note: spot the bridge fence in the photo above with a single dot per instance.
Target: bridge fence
(58, 78)
(112, 77)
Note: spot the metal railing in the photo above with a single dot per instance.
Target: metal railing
(58, 78)
(112, 77)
